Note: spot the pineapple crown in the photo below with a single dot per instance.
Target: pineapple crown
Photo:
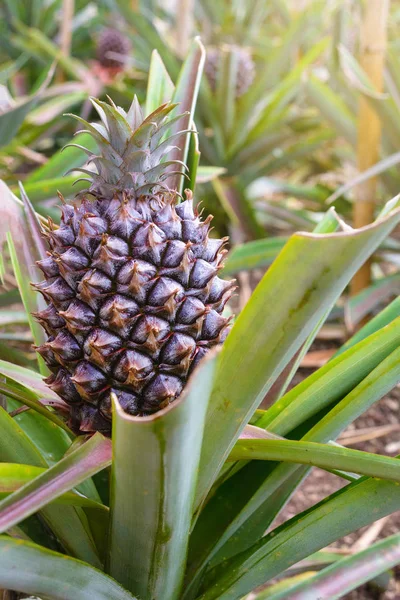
(132, 149)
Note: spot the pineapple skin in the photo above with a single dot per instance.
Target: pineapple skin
(134, 299)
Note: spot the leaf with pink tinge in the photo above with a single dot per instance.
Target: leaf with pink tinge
(368, 299)
(14, 476)
(27, 378)
(251, 432)
(29, 568)
(30, 400)
(33, 225)
(347, 574)
(90, 458)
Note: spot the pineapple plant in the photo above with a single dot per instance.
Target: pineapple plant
(196, 480)
(131, 280)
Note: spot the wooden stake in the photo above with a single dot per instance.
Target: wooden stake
(184, 25)
(373, 38)
(67, 16)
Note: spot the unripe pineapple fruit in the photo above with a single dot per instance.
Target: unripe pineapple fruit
(245, 72)
(112, 42)
(131, 279)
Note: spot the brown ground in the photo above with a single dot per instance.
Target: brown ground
(378, 431)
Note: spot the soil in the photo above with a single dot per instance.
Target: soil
(378, 431)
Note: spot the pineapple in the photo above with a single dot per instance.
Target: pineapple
(134, 299)
(245, 70)
(110, 42)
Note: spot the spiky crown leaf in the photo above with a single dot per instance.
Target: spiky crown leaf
(132, 149)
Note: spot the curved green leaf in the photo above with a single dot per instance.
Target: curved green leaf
(345, 511)
(152, 492)
(304, 281)
(69, 524)
(318, 455)
(186, 92)
(365, 302)
(331, 382)
(386, 316)
(346, 574)
(78, 465)
(247, 502)
(27, 378)
(31, 569)
(159, 86)
(14, 476)
(28, 398)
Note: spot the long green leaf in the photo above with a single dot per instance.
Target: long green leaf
(347, 574)
(27, 294)
(159, 86)
(365, 302)
(18, 230)
(192, 162)
(318, 455)
(14, 476)
(82, 463)
(186, 93)
(15, 446)
(11, 119)
(61, 162)
(38, 243)
(67, 522)
(29, 379)
(152, 493)
(331, 382)
(254, 504)
(332, 108)
(245, 509)
(33, 570)
(347, 510)
(387, 315)
(328, 224)
(306, 278)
